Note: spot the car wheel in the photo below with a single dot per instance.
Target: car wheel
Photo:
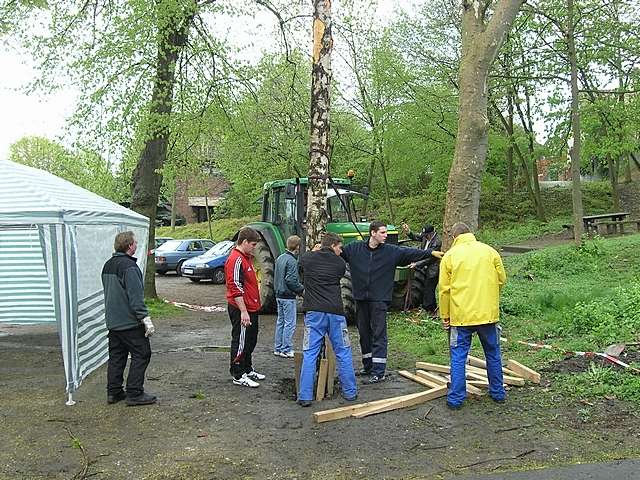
(218, 276)
(195, 280)
(161, 272)
(179, 268)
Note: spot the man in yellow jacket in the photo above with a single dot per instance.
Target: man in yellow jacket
(471, 276)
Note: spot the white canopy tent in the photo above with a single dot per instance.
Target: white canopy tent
(54, 239)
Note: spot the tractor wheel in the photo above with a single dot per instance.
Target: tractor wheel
(264, 266)
(349, 304)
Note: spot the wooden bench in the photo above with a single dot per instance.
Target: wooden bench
(610, 227)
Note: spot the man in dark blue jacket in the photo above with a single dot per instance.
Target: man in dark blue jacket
(373, 263)
(287, 286)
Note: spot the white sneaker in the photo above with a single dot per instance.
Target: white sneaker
(287, 354)
(279, 354)
(245, 381)
(253, 375)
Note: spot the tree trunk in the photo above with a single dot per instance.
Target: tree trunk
(509, 153)
(173, 207)
(146, 179)
(576, 193)
(372, 165)
(613, 180)
(480, 44)
(320, 125)
(206, 206)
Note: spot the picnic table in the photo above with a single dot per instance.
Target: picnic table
(590, 221)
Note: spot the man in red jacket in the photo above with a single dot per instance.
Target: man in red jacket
(243, 300)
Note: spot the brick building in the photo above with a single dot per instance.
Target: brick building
(193, 196)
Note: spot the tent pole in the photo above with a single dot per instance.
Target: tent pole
(70, 401)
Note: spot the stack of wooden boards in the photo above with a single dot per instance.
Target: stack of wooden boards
(435, 377)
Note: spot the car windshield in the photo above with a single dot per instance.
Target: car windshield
(169, 246)
(219, 249)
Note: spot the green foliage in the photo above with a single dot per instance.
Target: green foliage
(81, 167)
(223, 229)
(600, 381)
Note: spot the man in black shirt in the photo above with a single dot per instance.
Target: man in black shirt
(324, 314)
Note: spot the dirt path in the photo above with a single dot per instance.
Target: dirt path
(206, 428)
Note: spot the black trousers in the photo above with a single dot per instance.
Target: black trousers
(429, 294)
(243, 341)
(372, 327)
(121, 344)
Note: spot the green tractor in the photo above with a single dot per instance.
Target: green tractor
(283, 214)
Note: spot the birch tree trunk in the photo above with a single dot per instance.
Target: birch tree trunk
(320, 126)
(576, 193)
(146, 179)
(481, 40)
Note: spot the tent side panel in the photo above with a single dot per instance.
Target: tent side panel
(25, 290)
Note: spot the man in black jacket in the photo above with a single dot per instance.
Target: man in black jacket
(430, 267)
(128, 322)
(321, 274)
(373, 265)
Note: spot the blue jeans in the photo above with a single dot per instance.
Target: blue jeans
(316, 326)
(285, 325)
(459, 345)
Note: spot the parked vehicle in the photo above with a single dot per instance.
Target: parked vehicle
(161, 240)
(173, 253)
(209, 266)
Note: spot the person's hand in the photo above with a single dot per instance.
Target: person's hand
(316, 247)
(405, 227)
(412, 265)
(445, 323)
(245, 320)
(149, 329)
(437, 254)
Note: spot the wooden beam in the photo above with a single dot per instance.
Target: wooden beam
(402, 402)
(479, 363)
(322, 379)
(331, 371)
(471, 389)
(524, 372)
(344, 412)
(420, 380)
(433, 367)
(432, 376)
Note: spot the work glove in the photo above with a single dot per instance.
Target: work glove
(149, 329)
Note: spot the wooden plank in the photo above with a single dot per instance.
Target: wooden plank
(509, 380)
(476, 370)
(322, 379)
(476, 362)
(483, 371)
(394, 404)
(478, 383)
(420, 380)
(433, 367)
(344, 412)
(297, 365)
(331, 372)
(524, 372)
(471, 389)
(475, 376)
(432, 376)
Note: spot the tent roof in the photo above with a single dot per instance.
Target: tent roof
(30, 197)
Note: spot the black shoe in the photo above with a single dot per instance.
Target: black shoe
(453, 407)
(111, 399)
(376, 379)
(363, 372)
(304, 403)
(144, 399)
(351, 399)
(499, 400)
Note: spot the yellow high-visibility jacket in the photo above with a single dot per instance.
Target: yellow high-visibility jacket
(471, 276)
